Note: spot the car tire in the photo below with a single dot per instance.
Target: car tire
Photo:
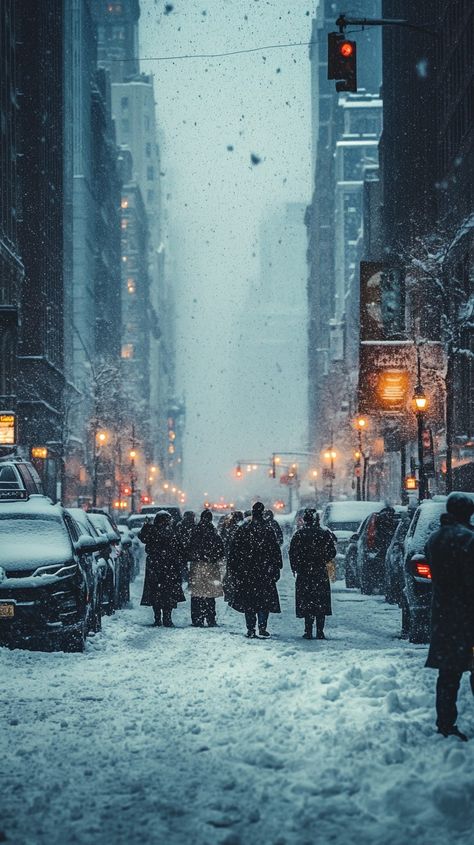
(418, 632)
(349, 578)
(75, 642)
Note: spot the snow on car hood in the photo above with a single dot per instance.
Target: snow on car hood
(27, 543)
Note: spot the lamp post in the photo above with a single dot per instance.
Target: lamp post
(330, 455)
(361, 424)
(420, 404)
(100, 440)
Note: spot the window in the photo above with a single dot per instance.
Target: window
(123, 223)
(150, 172)
(124, 203)
(124, 102)
(148, 150)
(131, 286)
(127, 350)
(6, 364)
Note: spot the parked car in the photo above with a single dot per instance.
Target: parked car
(416, 596)
(344, 519)
(132, 546)
(374, 539)
(48, 583)
(136, 521)
(395, 560)
(18, 475)
(102, 562)
(120, 562)
(350, 558)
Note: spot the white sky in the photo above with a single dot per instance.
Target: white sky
(257, 103)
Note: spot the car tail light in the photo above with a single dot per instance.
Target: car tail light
(371, 536)
(421, 568)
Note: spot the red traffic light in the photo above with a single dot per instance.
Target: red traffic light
(346, 49)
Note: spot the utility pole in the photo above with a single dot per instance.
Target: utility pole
(132, 470)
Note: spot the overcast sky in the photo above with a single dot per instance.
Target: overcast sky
(215, 114)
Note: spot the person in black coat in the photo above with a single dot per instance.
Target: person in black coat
(269, 516)
(205, 551)
(253, 567)
(183, 532)
(450, 554)
(164, 557)
(311, 549)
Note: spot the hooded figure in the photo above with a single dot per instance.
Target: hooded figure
(254, 566)
(206, 552)
(184, 528)
(164, 555)
(311, 549)
(450, 554)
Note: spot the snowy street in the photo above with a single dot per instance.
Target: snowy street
(203, 737)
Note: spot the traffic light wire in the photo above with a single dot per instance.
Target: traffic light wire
(217, 55)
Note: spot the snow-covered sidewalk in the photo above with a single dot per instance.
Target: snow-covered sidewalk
(201, 737)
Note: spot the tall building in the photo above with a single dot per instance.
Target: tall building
(11, 265)
(40, 229)
(345, 131)
(117, 24)
(427, 158)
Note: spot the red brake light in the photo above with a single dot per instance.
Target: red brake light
(421, 569)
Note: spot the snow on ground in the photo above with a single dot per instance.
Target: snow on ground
(163, 737)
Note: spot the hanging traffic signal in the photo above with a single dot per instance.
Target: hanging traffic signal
(342, 61)
(238, 471)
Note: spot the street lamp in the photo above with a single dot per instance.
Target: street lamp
(132, 455)
(361, 425)
(330, 455)
(420, 405)
(100, 440)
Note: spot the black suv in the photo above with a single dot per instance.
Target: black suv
(47, 576)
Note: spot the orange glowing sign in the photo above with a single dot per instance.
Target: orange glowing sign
(392, 388)
(7, 429)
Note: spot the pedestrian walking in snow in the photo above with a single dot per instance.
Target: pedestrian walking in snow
(254, 566)
(164, 556)
(450, 554)
(206, 553)
(270, 518)
(311, 549)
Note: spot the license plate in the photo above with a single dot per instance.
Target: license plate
(7, 611)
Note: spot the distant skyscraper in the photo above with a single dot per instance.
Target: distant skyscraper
(117, 30)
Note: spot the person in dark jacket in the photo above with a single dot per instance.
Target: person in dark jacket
(450, 555)
(164, 556)
(311, 549)
(206, 553)
(183, 532)
(269, 517)
(254, 566)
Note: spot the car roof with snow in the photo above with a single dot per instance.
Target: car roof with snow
(348, 511)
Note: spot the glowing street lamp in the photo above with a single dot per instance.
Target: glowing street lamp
(420, 405)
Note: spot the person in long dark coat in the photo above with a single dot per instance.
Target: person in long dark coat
(311, 549)
(254, 565)
(205, 552)
(269, 516)
(164, 556)
(183, 532)
(450, 554)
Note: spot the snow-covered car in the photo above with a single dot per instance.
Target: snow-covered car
(132, 546)
(375, 536)
(101, 562)
(343, 519)
(394, 561)
(416, 595)
(117, 556)
(136, 521)
(47, 578)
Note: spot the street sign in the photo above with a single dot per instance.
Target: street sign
(7, 428)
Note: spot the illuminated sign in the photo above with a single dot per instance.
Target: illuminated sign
(392, 389)
(39, 452)
(7, 429)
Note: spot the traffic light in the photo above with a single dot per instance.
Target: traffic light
(238, 471)
(342, 61)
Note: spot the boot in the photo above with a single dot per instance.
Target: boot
(262, 632)
(251, 634)
(320, 635)
(453, 731)
(157, 622)
(308, 629)
(167, 620)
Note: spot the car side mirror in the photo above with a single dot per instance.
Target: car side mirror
(86, 544)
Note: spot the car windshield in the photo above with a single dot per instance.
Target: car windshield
(9, 479)
(30, 533)
(343, 526)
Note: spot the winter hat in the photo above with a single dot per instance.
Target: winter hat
(162, 518)
(257, 509)
(309, 516)
(460, 505)
(206, 516)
